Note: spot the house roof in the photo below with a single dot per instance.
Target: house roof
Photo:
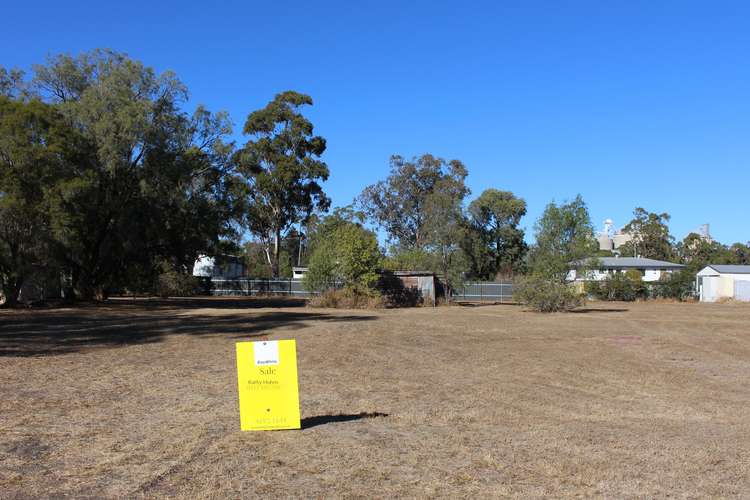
(634, 263)
(730, 268)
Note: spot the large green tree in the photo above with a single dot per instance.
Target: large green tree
(147, 181)
(398, 204)
(651, 238)
(493, 241)
(697, 252)
(564, 235)
(282, 170)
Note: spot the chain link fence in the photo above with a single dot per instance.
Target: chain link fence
(470, 292)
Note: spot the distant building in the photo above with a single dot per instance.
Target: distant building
(611, 240)
(220, 266)
(704, 233)
(715, 282)
(650, 269)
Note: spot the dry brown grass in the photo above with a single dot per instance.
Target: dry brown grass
(139, 400)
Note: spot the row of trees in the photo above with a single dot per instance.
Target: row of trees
(652, 239)
(107, 180)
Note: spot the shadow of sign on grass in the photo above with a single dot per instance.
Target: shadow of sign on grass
(310, 422)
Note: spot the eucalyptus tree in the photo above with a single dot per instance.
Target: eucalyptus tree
(650, 233)
(398, 203)
(494, 241)
(282, 171)
(564, 235)
(443, 232)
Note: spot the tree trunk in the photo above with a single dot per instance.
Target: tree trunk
(83, 285)
(276, 253)
(11, 290)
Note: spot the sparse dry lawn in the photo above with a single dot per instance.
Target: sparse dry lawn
(140, 400)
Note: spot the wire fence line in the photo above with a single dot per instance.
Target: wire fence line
(470, 292)
(249, 286)
(484, 291)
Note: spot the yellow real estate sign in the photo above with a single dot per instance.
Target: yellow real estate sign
(267, 376)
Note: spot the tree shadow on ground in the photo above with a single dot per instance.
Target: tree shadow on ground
(310, 422)
(586, 310)
(200, 302)
(54, 332)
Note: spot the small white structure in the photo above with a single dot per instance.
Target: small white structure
(299, 272)
(650, 269)
(221, 266)
(715, 282)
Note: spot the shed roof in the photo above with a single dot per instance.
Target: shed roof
(413, 273)
(634, 263)
(730, 268)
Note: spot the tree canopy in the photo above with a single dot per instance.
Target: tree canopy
(494, 243)
(140, 182)
(398, 204)
(650, 233)
(564, 235)
(344, 252)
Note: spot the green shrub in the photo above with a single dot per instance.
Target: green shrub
(547, 294)
(349, 255)
(618, 286)
(679, 285)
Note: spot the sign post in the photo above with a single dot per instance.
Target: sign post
(268, 391)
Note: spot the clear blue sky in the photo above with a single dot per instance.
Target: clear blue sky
(628, 103)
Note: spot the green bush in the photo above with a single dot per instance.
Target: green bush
(547, 294)
(618, 286)
(348, 255)
(679, 285)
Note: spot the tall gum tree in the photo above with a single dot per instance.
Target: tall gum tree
(282, 170)
(398, 203)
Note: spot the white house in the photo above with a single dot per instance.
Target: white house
(716, 282)
(650, 269)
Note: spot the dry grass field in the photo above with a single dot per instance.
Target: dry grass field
(139, 400)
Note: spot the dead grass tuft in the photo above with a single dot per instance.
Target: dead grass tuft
(347, 299)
